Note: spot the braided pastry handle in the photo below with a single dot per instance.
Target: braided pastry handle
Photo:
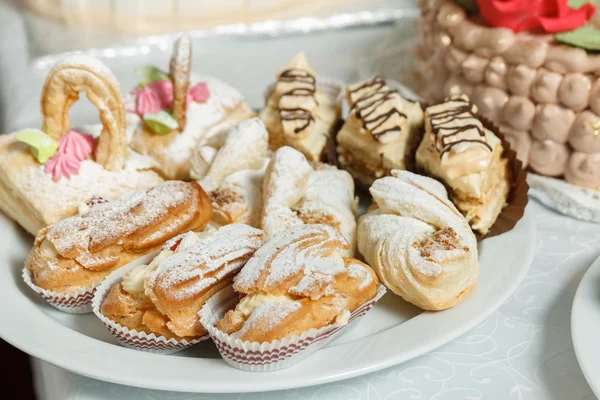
(180, 71)
(79, 73)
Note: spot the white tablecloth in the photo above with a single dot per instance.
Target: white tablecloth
(523, 351)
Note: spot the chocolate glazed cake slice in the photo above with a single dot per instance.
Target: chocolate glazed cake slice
(304, 85)
(381, 132)
(298, 113)
(459, 150)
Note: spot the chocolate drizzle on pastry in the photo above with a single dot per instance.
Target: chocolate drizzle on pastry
(303, 85)
(454, 122)
(375, 104)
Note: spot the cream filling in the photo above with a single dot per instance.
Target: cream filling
(133, 281)
(251, 302)
(47, 249)
(469, 183)
(314, 139)
(486, 218)
(343, 318)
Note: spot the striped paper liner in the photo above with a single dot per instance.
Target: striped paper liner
(131, 338)
(77, 302)
(272, 356)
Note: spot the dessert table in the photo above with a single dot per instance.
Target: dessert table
(522, 351)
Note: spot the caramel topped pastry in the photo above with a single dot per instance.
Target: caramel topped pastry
(458, 149)
(296, 105)
(381, 131)
(298, 113)
(79, 251)
(460, 138)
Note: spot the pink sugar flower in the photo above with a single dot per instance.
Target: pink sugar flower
(147, 102)
(76, 144)
(62, 165)
(164, 91)
(199, 93)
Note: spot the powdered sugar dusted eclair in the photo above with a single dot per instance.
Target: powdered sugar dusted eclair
(164, 296)
(297, 281)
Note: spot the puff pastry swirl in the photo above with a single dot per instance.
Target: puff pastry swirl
(297, 192)
(233, 175)
(419, 244)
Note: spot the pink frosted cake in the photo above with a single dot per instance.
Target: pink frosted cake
(544, 95)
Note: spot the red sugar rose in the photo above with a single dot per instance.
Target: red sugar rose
(521, 15)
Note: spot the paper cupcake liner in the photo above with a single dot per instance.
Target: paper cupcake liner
(517, 198)
(77, 302)
(272, 356)
(131, 338)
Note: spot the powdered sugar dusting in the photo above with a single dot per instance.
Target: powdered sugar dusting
(285, 185)
(359, 272)
(412, 216)
(205, 120)
(91, 63)
(311, 251)
(297, 192)
(212, 258)
(402, 195)
(318, 274)
(329, 199)
(108, 223)
(62, 198)
(246, 148)
(239, 197)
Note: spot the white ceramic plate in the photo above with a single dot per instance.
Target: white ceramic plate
(391, 333)
(585, 326)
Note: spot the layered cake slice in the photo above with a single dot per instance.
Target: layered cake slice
(459, 150)
(381, 130)
(298, 112)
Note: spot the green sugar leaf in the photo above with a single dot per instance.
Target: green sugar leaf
(579, 3)
(469, 5)
(149, 74)
(161, 122)
(41, 146)
(586, 37)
